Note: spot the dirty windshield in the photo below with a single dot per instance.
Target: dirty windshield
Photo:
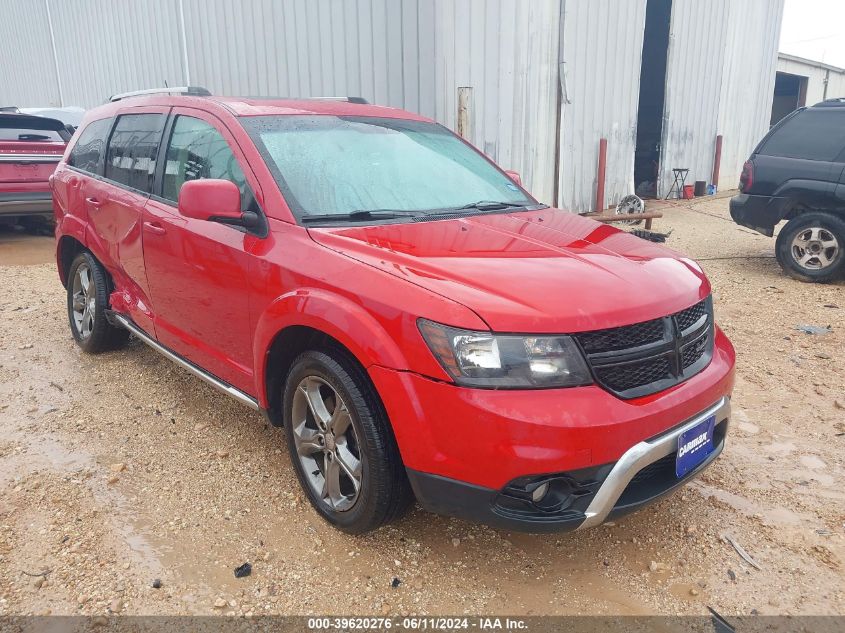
(364, 168)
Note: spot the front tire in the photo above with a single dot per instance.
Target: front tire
(811, 247)
(341, 444)
(87, 301)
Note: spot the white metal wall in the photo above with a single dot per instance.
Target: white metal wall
(415, 54)
(693, 86)
(719, 80)
(601, 49)
(106, 47)
(411, 54)
(27, 69)
(745, 111)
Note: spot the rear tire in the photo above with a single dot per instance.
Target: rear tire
(811, 247)
(88, 291)
(341, 443)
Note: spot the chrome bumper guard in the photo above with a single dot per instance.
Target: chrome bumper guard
(638, 457)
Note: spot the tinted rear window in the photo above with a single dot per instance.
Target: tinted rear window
(813, 134)
(31, 128)
(90, 146)
(131, 155)
(29, 134)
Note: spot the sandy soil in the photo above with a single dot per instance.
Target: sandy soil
(122, 469)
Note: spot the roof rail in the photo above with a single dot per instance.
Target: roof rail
(359, 100)
(836, 101)
(194, 91)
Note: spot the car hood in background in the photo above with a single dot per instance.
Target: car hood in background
(545, 271)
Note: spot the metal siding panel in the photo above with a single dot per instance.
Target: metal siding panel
(506, 51)
(127, 46)
(31, 80)
(745, 111)
(693, 87)
(601, 53)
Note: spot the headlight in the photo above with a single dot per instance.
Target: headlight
(482, 359)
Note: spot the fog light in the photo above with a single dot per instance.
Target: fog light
(540, 492)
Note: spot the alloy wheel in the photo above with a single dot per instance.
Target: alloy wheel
(815, 248)
(84, 300)
(326, 443)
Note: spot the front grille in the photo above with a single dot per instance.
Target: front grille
(632, 375)
(687, 318)
(621, 338)
(637, 360)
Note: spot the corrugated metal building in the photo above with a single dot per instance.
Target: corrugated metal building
(548, 78)
(801, 82)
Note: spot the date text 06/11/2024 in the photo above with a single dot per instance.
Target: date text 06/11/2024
(416, 623)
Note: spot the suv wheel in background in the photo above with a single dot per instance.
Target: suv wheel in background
(341, 444)
(87, 301)
(811, 247)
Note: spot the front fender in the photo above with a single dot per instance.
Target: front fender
(350, 323)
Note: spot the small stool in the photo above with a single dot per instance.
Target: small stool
(680, 181)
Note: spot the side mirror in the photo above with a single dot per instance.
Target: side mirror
(514, 175)
(211, 199)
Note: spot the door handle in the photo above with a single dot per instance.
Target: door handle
(155, 228)
(93, 202)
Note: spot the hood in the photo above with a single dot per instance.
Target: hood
(546, 271)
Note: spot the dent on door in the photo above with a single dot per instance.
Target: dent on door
(114, 216)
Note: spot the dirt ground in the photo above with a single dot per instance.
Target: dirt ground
(121, 469)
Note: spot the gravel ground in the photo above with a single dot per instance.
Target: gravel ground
(122, 472)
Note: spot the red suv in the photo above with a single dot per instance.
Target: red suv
(418, 323)
(30, 148)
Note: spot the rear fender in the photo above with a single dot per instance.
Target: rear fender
(809, 193)
(68, 227)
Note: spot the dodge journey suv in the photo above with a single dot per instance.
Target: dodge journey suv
(417, 322)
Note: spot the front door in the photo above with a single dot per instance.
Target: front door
(198, 271)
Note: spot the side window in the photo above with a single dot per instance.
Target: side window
(197, 150)
(814, 134)
(90, 146)
(131, 155)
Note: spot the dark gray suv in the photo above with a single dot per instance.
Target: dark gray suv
(797, 174)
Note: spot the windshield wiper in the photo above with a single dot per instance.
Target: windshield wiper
(490, 205)
(354, 216)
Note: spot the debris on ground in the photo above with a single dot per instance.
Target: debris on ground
(157, 583)
(741, 551)
(814, 329)
(395, 582)
(651, 236)
(243, 571)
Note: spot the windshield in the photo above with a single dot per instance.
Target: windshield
(336, 166)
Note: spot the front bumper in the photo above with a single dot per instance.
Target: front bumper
(582, 498)
(761, 213)
(26, 203)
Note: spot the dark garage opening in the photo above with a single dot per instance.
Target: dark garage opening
(790, 94)
(652, 94)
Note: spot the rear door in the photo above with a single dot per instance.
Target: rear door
(115, 203)
(198, 271)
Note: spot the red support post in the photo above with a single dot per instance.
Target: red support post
(717, 162)
(601, 173)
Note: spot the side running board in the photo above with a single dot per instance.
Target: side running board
(237, 394)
